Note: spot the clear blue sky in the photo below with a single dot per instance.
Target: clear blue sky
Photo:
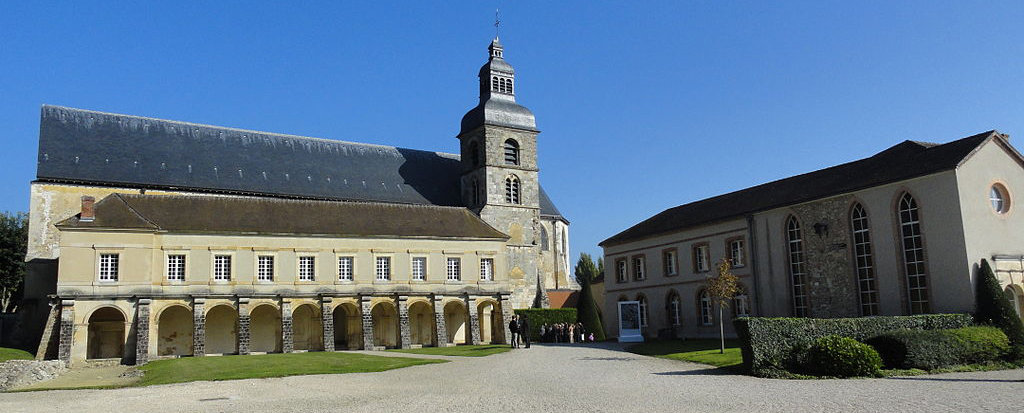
(643, 105)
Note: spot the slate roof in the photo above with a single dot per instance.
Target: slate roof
(88, 147)
(906, 160)
(249, 215)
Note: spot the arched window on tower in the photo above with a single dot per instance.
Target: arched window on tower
(913, 255)
(797, 271)
(501, 86)
(474, 153)
(509, 85)
(511, 152)
(475, 187)
(494, 83)
(544, 239)
(512, 190)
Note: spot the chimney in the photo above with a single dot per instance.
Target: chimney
(88, 212)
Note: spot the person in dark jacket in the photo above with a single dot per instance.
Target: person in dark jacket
(524, 330)
(513, 328)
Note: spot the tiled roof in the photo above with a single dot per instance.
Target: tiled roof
(906, 160)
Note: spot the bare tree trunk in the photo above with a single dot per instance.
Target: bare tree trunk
(721, 328)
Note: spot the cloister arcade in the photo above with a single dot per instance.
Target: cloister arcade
(155, 328)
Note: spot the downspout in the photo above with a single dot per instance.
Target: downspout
(752, 234)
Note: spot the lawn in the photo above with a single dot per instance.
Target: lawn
(466, 351)
(14, 354)
(269, 365)
(704, 351)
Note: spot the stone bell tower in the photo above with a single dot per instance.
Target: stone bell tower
(499, 171)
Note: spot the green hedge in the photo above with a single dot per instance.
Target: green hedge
(541, 316)
(932, 349)
(843, 357)
(771, 346)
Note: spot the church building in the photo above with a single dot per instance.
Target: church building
(154, 238)
(901, 232)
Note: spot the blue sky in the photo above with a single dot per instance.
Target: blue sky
(643, 105)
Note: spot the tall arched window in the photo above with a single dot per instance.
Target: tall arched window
(705, 308)
(474, 153)
(643, 309)
(797, 272)
(673, 309)
(476, 192)
(1011, 296)
(511, 152)
(494, 83)
(864, 261)
(509, 84)
(913, 255)
(544, 246)
(512, 190)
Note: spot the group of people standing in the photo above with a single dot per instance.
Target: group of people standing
(519, 326)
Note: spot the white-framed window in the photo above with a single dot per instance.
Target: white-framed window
(175, 267)
(737, 255)
(345, 265)
(797, 272)
(913, 255)
(673, 308)
(705, 308)
(419, 268)
(863, 261)
(487, 269)
(1000, 198)
(700, 258)
(383, 268)
(639, 267)
(108, 266)
(265, 268)
(454, 269)
(643, 310)
(307, 268)
(620, 270)
(222, 267)
(668, 258)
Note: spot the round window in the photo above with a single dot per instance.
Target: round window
(999, 198)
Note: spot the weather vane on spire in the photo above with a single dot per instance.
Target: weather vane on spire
(497, 22)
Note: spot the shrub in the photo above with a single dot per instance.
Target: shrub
(992, 308)
(770, 345)
(932, 349)
(541, 316)
(843, 357)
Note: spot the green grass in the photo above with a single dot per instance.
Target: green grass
(14, 354)
(268, 365)
(466, 351)
(704, 351)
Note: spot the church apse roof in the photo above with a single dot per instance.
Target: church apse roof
(905, 160)
(88, 147)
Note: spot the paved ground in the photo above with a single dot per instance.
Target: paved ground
(547, 379)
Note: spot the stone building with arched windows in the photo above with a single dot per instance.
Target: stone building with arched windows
(900, 232)
(158, 238)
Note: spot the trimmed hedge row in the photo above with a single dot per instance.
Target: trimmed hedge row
(843, 357)
(541, 316)
(771, 346)
(932, 349)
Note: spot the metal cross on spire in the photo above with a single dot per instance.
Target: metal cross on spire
(497, 23)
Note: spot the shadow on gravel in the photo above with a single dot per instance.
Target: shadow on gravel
(945, 379)
(608, 358)
(718, 371)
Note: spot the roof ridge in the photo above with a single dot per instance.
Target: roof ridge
(229, 128)
(270, 199)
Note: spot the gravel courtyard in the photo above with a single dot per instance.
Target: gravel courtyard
(546, 379)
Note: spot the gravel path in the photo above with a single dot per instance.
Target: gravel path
(547, 379)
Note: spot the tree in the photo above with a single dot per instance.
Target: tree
(722, 289)
(13, 245)
(992, 308)
(586, 307)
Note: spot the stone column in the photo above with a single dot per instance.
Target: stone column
(198, 327)
(67, 330)
(364, 307)
(327, 321)
(474, 320)
(442, 329)
(404, 336)
(142, 331)
(506, 317)
(287, 345)
(243, 326)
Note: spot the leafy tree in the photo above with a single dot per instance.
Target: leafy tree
(586, 307)
(13, 245)
(994, 309)
(722, 289)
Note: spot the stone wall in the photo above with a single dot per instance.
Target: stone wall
(832, 287)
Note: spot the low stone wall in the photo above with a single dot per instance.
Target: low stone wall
(17, 373)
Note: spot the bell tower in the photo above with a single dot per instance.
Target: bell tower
(498, 143)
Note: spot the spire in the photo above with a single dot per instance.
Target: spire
(497, 94)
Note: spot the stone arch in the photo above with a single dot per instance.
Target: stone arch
(221, 329)
(455, 322)
(265, 329)
(385, 324)
(106, 337)
(1015, 295)
(348, 327)
(422, 324)
(307, 328)
(174, 331)
(491, 326)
